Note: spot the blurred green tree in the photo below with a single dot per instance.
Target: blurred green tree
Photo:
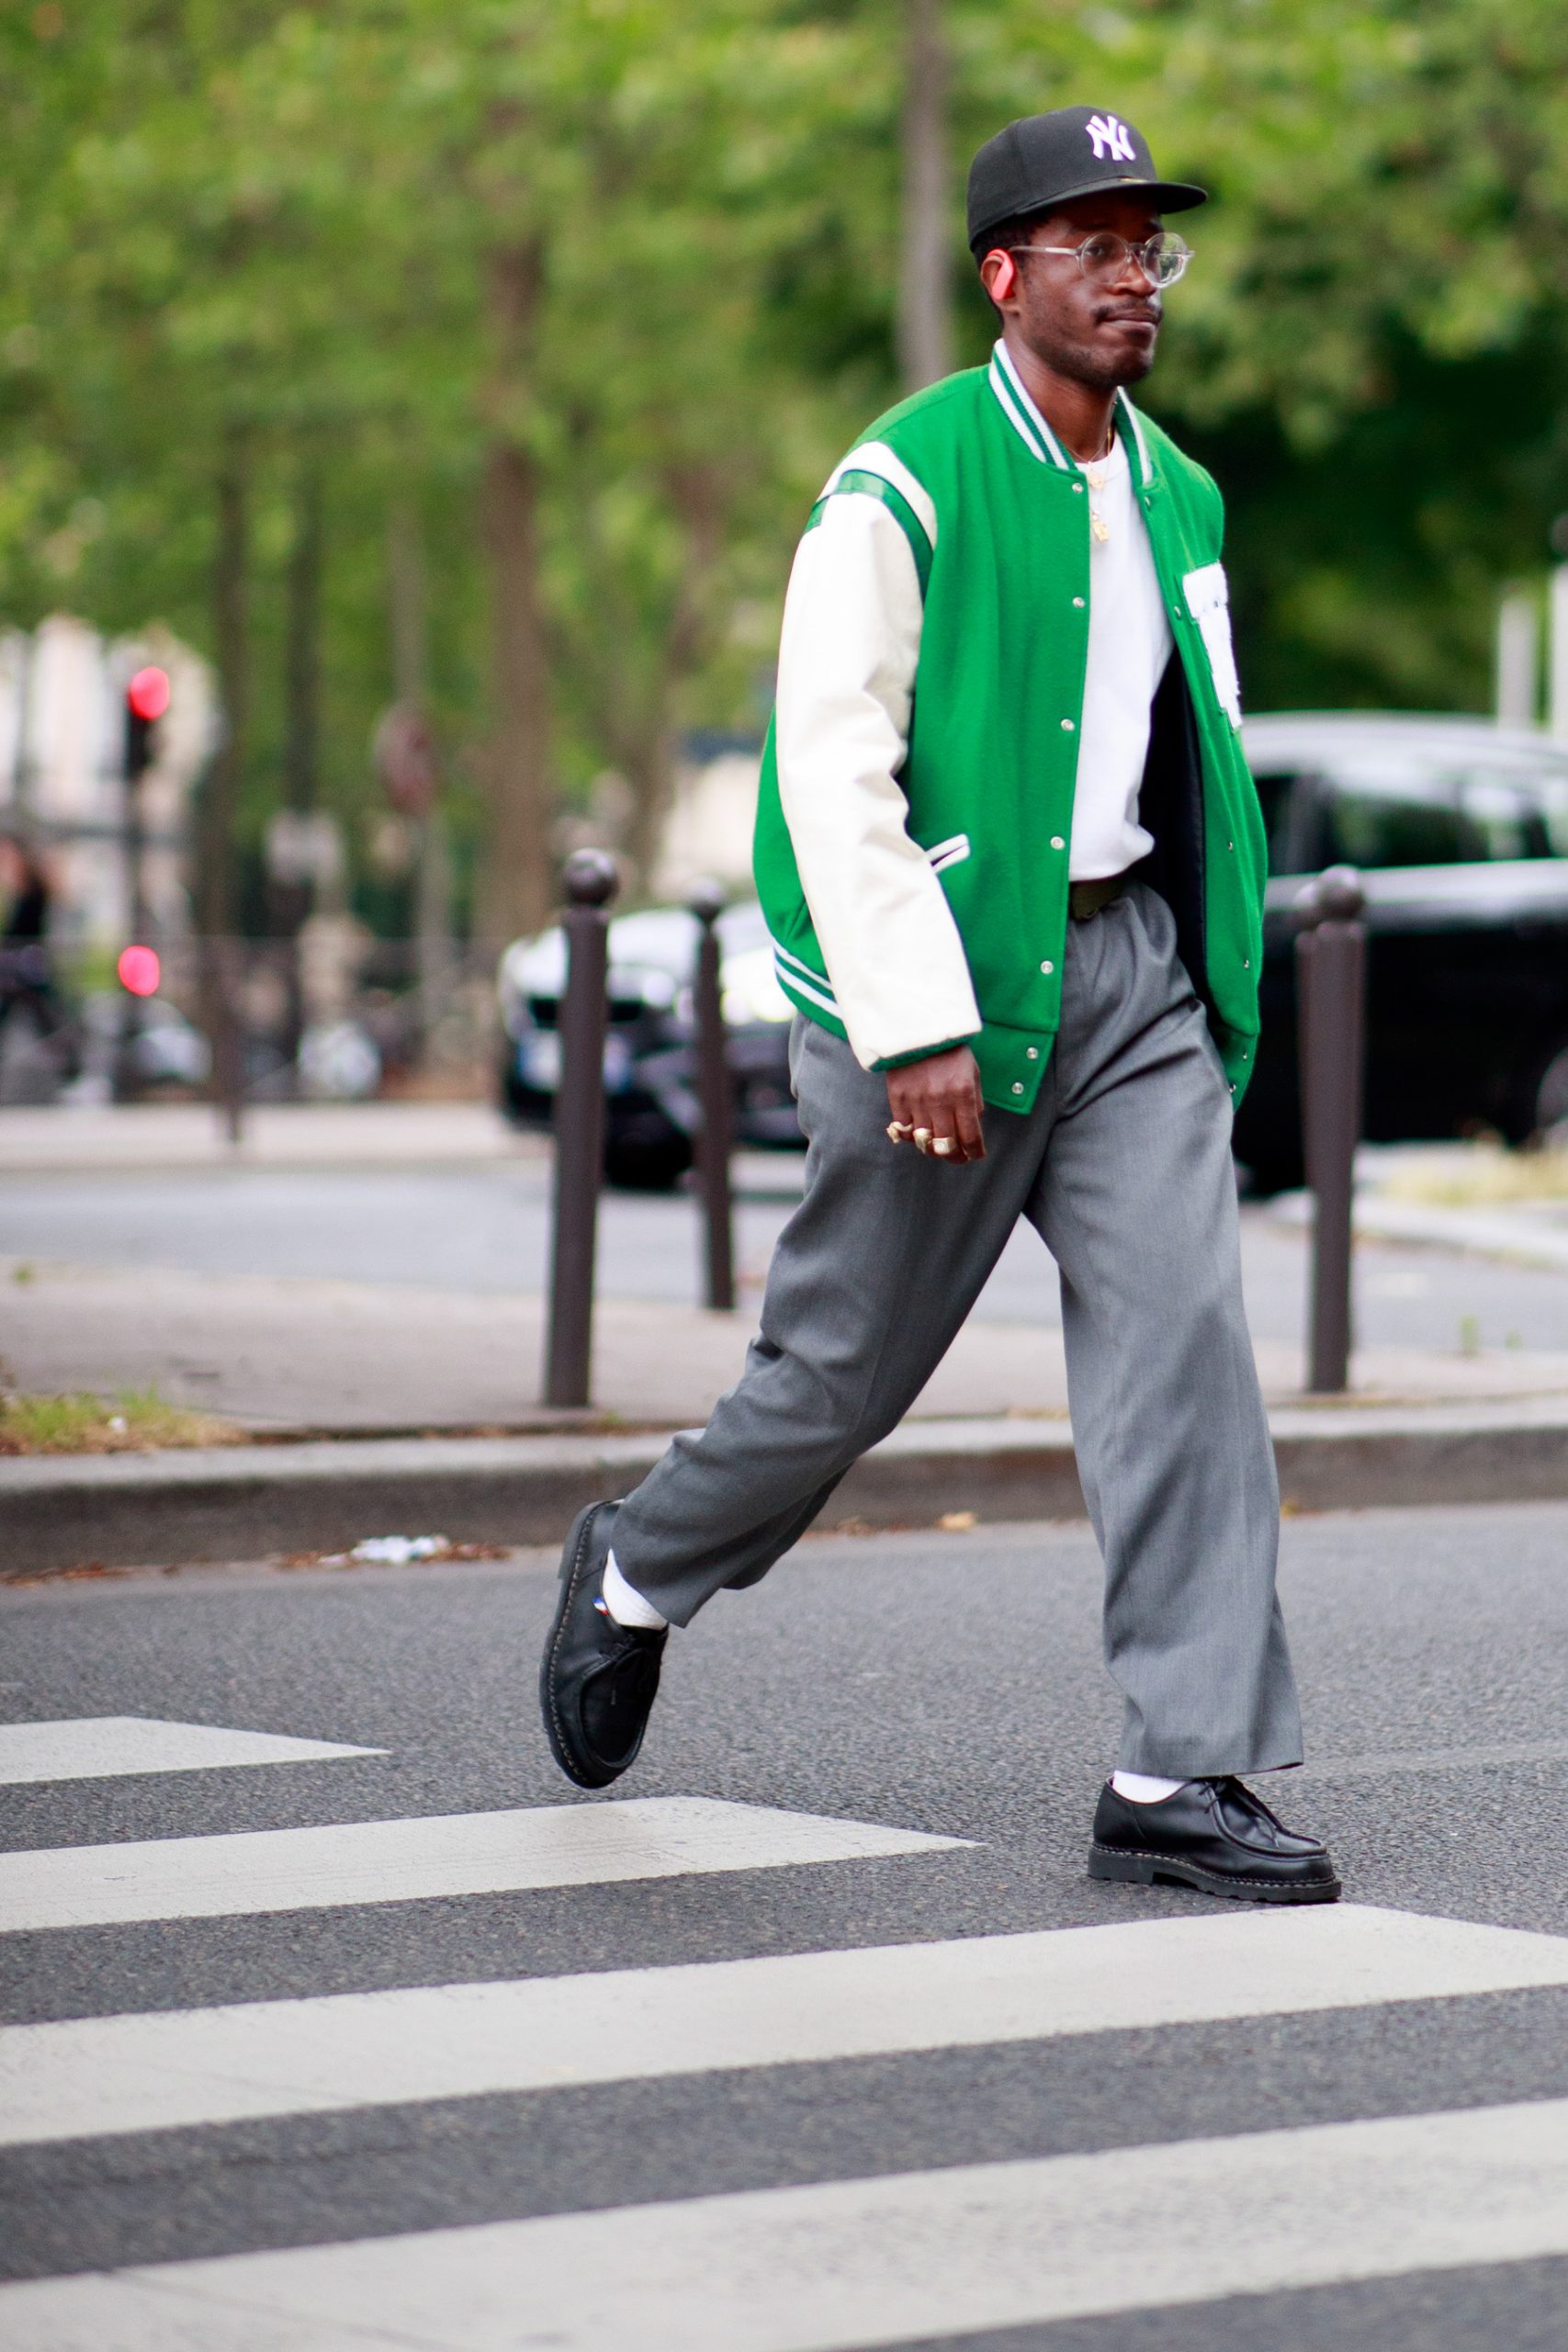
(582, 300)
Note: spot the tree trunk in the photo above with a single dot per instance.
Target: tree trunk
(644, 736)
(405, 603)
(515, 893)
(411, 688)
(925, 289)
(220, 798)
(293, 895)
(649, 765)
(301, 750)
(232, 650)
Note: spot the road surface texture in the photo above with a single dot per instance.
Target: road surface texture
(337, 2019)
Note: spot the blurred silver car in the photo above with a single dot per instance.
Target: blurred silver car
(649, 1049)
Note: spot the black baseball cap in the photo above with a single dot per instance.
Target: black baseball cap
(1045, 159)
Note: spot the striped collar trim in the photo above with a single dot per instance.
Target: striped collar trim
(1132, 425)
(1021, 412)
(1036, 434)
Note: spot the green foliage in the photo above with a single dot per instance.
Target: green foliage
(282, 223)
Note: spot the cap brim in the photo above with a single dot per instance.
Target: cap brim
(1164, 196)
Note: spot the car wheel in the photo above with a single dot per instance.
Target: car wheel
(1543, 1099)
(1272, 1172)
(509, 1093)
(647, 1163)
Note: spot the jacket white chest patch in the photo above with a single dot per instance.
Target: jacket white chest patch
(1208, 601)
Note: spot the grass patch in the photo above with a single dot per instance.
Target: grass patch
(136, 1421)
(1482, 1176)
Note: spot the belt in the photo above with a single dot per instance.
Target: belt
(1087, 899)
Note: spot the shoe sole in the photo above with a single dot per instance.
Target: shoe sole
(1149, 1869)
(571, 1568)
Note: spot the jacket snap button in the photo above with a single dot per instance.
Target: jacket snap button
(1047, 967)
(1018, 1086)
(1058, 842)
(1078, 604)
(1032, 1053)
(1078, 490)
(1067, 726)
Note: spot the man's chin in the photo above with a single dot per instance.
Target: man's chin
(1127, 359)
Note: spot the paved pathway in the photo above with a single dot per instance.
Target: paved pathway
(379, 1268)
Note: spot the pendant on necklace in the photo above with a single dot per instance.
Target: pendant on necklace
(1099, 526)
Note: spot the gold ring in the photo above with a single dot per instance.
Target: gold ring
(897, 1131)
(942, 1145)
(922, 1137)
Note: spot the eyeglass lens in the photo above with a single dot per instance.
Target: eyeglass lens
(1163, 257)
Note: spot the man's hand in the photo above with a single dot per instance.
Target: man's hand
(937, 1103)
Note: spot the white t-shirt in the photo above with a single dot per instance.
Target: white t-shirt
(1129, 645)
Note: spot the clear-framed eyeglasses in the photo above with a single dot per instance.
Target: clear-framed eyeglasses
(1105, 255)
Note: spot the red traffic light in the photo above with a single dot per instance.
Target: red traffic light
(147, 696)
(139, 969)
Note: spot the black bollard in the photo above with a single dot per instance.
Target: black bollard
(590, 881)
(1331, 993)
(706, 903)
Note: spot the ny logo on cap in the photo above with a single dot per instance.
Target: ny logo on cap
(1110, 138)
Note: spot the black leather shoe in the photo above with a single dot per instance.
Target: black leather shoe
(1215, 1836)
(597, 1680)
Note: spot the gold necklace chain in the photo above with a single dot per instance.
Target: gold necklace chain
(1096, 474)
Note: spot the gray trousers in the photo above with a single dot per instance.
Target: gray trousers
(1123, 1168)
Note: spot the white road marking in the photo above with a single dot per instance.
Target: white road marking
(86, 2076)
(844, 2265)
(99, 1748)
(413, 1860)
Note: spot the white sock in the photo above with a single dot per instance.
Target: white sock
(1141, 1788)
(626, 1604)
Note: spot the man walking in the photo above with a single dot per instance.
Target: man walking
(1012, 864)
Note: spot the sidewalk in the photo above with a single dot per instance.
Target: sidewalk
(360, 1359)
(101, 1138)
(416, 1411)
(382, 1406)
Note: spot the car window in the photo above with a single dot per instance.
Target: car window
(1394, 811)
(1368, 826)
(1508, 819)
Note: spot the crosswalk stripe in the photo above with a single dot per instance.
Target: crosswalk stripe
(87, 2076)
(100, 1747)
(845, 2265)
(413, 1860)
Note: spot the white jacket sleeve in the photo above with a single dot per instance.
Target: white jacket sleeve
(847, 657)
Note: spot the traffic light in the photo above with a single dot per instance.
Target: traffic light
(139, 971)
(146, 700)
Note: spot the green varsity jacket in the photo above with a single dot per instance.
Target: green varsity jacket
(995, 517)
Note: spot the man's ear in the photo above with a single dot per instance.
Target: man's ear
(1000, 283)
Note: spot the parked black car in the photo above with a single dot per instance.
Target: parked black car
(1460, 832)
(650, 1051)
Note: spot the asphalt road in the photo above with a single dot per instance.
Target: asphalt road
(945, 1684)
(485, 1228)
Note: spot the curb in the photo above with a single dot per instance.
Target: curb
(249, 1502)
